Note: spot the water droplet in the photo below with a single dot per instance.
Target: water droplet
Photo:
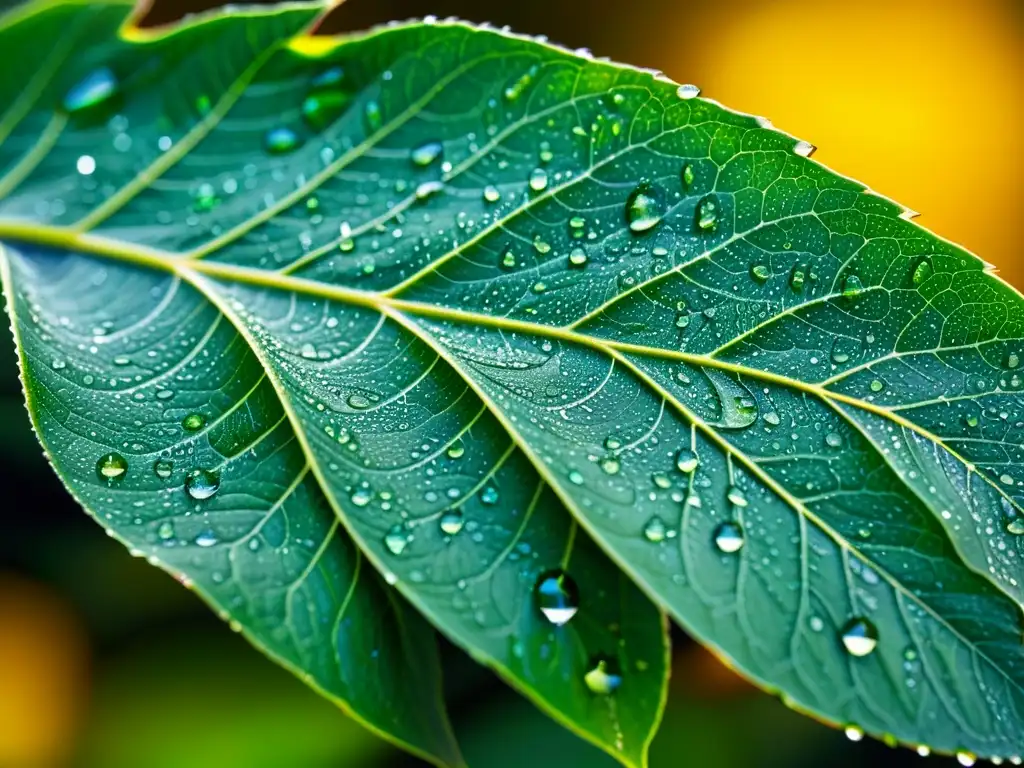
(557, 597)
(643, 209)
(508, 258)
(358, 401)
(162, 468)
(728, 537)
(604, 677)
(688, 176)
(112, 468)
(279, 141)
(655, 530)
(96, 88)
(773, 418)
(736, 496)
(428, 189)
(206, 539)
(853, 732)
(456, 450)
(965, 758)
(924, 750)
(688, 91)
(833, 440)
(86, 165)
(803, 148)
(452, 522)
(201, 484)
(489, 496)
(876, 385)
(707, 215)
(610, 465)
(205, 198)
(326, 101)
(797, 278)
(193, 422)
(165, 531)
(1016, 526)
(575, 477)
(1012, 360)
(922, 272)
(577, 257)
(372, 117)
(576, 226)
(859, 636)
(491, 194)
(852, 286)
(538, 180)
(361, 496)
(427, 153)
(687, 461)
(396, 539)
(760, 272)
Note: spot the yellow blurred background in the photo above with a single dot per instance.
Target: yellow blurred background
(104, 662)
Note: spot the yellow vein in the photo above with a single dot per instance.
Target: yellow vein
(30, 161)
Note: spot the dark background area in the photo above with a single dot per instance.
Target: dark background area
(105, 661)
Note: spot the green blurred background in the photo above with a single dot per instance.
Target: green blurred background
(105, 661)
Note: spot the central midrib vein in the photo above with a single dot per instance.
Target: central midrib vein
(166, 261)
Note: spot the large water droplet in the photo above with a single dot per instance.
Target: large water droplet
(577, 257)
(922, 272)
(736, 496)
(358, 401)
(361, 496)
(1016, 526)
(728, 536)
(280, 141)
(643, 209)
(112, 468)
(396, 539)
(491, 194)
(452, 522)
(557, 597)
(604, 677)
(854, 732)
(538, 180)
(96, 88)
(206, 539)
(427, 153)
(193, 422)
(859, 636)
(688, 91)
(965, 758)
(707, 215)
(201, 484)
(852, 286)
(162, 468)
(687, 460)
(655, 530)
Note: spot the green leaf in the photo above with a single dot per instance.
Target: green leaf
(183, 431)
(486, 281)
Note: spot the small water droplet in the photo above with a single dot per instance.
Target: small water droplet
(922, 272)
(965, 758)
(688, 176)
(162, 468)
(358, 401)
(760, 272)
(491, 194)
(797, 278)
(201, 484)
(456, 450)
(924, 750)
(452, 522)
(833, 440)
(803, 148)
(643, 209)
(193, 422)
(280, 141)
(853, 732)
(557, 597)
(728, 536)
(604, 677)
(428, 189)
(361, 496)
(538, 180)
(655, 530)
(86, 165)
(165, 531)
(489, 496)
(610, 465)
(688, 91)
(707, 215)
(96, 88)
(372, 117)
(736, 496)
(396, 539)
(1016, 526)
(427, 153)
(876, 385)
(852, 286)
(111, 468)
(206, 539)
(575, 477)
(577, 257)
(859, 636)
(1012, 360)
(687, 461)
